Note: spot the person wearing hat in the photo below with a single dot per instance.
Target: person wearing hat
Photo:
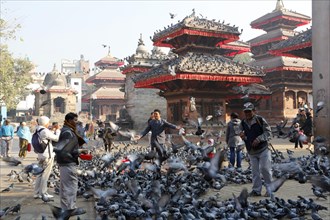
(256, 133)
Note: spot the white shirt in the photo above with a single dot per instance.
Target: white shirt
(47, 135)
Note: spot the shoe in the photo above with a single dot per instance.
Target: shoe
(78, 211)
(254, 193)
(37, 196)
(48, 195)
(266, 194)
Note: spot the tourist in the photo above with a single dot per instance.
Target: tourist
(307, 129)
(25, 136)
(67, 153)
(45, 159)
(7, 135)
(256, 133)
(108, 138)
(233, 140)
(157, 127)
(296, 134)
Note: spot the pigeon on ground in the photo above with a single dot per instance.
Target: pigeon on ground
(9, 188)
(11, 161)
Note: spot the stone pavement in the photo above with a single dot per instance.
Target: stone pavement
(36, 208)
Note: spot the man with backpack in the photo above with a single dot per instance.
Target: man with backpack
(45, 153)
(256, 133)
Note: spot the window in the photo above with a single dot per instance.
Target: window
(76, 83)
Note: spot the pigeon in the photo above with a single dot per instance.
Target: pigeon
(275, 185)
(4, 212)
(319, 107)
(46, 198)
(172, 16)
(15, 208)
(320, 181)
(11, 161)
(318, 193)
(59, 213)
(98, 193)
(114, 127)
(9, 188)
(33, 168)
(129, 133)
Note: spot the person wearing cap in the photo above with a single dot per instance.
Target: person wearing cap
(25, 136)
(256, 133)
(233, 140)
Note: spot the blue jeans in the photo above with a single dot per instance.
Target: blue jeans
(237, 153)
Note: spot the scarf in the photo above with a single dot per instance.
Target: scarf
(81, 141)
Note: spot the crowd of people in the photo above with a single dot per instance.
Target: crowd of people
(64, 146)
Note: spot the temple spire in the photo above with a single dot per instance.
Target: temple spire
(279, 5)
(140, 41)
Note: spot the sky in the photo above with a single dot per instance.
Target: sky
(56, 30)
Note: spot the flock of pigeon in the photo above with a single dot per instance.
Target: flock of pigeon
(134, 183)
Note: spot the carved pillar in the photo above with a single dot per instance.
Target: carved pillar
(321, 65)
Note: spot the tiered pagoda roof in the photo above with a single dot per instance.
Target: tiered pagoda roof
(201, 67)
(299, 45)
(280, 17)
(234, 48)
(279, 63)
(200, 45)
(212, 30)
(272, 36)
(107, 76)
(109, 62)
(107, 93)
(252, 91)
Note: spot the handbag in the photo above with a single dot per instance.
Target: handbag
(28, 148)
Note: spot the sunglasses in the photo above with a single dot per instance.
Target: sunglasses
(247, 111)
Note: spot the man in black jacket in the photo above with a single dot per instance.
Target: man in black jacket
(67, 153)
(256, 133)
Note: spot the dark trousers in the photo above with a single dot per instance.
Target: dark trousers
(160, 148)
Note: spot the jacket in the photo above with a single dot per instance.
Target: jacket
(67, 147)
(256, 128)
(157, 128)
(233, 138)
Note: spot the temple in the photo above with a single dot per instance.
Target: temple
(199, 69)
(55, 97)
(288, 76)
(141, 102)
(108, 97)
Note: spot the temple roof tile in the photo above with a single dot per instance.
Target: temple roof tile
(281, 61)
(199, 63)
(197, 23)
(278, 34)
(303, 39)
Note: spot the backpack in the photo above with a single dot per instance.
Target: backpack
(38, 145)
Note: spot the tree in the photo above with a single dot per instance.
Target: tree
(14, 72)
